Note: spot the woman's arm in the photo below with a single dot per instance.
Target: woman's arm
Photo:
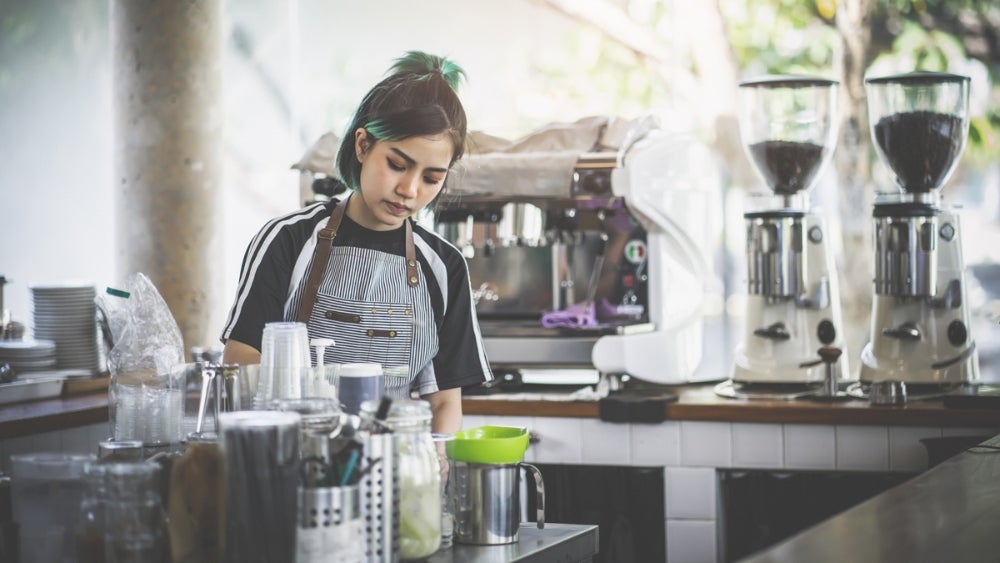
(236, 352)
(446, 410)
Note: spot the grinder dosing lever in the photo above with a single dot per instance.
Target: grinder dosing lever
(830, 391)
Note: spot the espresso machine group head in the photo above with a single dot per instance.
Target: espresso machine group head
(788, 126)
(920, 318)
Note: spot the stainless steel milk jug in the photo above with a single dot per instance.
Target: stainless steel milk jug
(486, 501)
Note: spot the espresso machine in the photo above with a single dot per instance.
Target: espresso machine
(576, 257)
(920, 319)
(788, 127)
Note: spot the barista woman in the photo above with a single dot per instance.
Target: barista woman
(361, 271)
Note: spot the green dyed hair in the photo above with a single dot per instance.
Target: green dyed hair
(417, 97)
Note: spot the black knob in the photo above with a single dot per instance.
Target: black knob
(957, 333)
(826, 332)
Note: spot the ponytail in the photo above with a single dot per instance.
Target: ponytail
(425, 66)
(418, 97)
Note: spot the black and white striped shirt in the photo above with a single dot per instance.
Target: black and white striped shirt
(364, 302)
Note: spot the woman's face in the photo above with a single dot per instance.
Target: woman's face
(398, 178)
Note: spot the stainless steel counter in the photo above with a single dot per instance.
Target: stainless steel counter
(949, 513)
(556, 542)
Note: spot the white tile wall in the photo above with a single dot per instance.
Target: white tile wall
(863, 448)
(706, 444)
(906, 453)
(809, 446)
(561, 440)
(691, 541)
(691, 493)
(758, 445)
(656, 444)
(475, 421)
(605, 443)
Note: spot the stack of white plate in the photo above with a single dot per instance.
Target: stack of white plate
(26, 356)
(66, 314)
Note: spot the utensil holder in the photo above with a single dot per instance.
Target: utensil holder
(380, 498)
(330, 524)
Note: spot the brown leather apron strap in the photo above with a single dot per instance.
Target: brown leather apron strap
(412, 273)
(321, 257)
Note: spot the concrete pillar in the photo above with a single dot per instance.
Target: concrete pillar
(167, 96)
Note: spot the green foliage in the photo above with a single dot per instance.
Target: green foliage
(780, 37)
(799, 37)
(594, 76)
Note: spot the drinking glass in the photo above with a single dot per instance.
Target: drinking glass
(447, 518)
(46, 490)
(239, 385)
(284, 354)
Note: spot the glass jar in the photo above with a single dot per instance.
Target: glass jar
(90, 520)
(419, 475)
(120, 517)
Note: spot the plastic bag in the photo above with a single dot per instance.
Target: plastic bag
(143, 333)
(146, 391)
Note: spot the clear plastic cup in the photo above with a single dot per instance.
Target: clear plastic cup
(284, 354)
(148, 407)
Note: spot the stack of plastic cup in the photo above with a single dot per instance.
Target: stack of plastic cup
(284, 356)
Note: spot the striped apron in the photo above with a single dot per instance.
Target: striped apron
(372, 305)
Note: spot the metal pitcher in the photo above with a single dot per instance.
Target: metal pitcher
(486, 501)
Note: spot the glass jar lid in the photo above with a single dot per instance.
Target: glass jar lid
(404, 414)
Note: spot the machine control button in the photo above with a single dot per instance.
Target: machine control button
(815, 235)
(957, 333)
(826, 332)
(947, 231)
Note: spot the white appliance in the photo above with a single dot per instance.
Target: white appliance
(788, 129)
(920, 331)
(617, 213)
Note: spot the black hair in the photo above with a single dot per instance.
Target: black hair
(416, 98)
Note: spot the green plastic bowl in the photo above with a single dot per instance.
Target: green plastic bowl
(488, 444)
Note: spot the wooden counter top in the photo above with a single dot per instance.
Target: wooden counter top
(699, 402)
(695, 402)
(948, 513)
(33, 417)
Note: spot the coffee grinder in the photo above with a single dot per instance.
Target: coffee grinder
(920, 317)
(788, 127)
